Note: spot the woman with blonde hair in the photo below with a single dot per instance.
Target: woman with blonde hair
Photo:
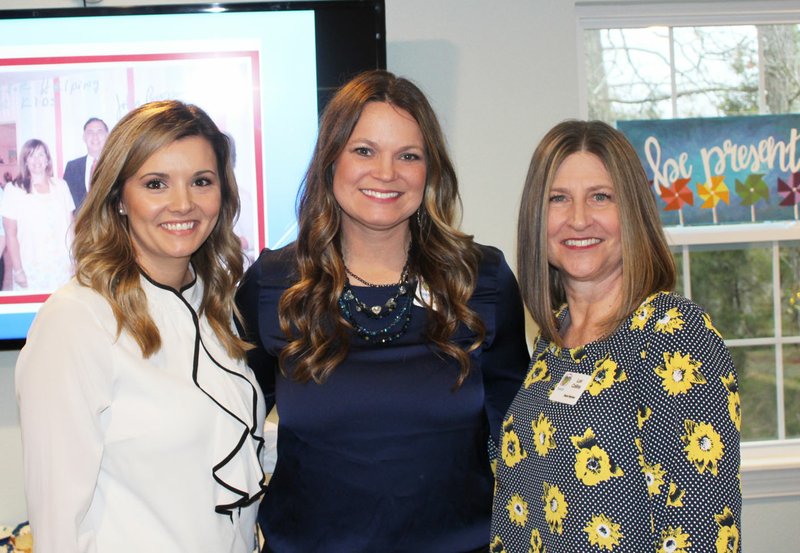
(141, 424)
(389, 341)
(624, 436)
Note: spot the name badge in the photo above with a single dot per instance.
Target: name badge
(570, 388)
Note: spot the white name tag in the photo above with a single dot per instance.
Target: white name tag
(570, 388)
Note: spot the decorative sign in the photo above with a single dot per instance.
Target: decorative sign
(721, 170)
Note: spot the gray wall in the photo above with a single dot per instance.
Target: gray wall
(499, 75)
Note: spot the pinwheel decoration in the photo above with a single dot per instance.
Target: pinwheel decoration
(790, 190)
(712, 193)
(676, 196)
(752, 191)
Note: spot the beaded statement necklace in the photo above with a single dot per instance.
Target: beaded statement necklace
(396, 311)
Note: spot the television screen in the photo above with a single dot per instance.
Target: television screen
(262, 71)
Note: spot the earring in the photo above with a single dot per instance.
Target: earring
(121, 210)
(419, 217)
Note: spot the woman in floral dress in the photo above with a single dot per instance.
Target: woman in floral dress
(624, 436)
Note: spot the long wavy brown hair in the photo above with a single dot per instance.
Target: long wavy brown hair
(104, 254)
(647, 263)
(442, 256)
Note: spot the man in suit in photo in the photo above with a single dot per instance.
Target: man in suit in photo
(78, 172)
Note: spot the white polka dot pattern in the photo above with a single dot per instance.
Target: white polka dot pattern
(648, 457)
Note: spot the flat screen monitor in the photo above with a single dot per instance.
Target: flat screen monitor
(263, 71)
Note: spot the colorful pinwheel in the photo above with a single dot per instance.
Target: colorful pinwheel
(752, 190)
(790, 190)
(713, 192)
(676, 195)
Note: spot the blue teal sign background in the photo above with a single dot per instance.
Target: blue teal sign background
(721, 170)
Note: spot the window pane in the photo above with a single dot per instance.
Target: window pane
(716, 71)
(791, 389)
(781, 47)
(734, 284)
(628, 73)
(755, 370)
(678, 257)
(790, 288)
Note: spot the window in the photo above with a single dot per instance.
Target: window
(673, 61)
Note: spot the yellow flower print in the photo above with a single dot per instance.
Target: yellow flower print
(673, 540)
(555, 507)
(537, 373)
(734, 405)
(642, 414)
(651, 297)
(679, 373)
(497, 546)
(641, 316)
(675, 495)
(578, 354)
(535, 341)
(670, 322)
(703, 446)
(543, 435)
(709, 325)
(606, 372)
(653, 475)
(536, 543)
(517, 510)
(511, 448)
(728, 533)
(592, 463)
(603, 532)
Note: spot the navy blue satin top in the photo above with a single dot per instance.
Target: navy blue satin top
(386, 455)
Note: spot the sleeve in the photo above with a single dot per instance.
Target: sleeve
(66, 195)
(63, 383)
(10, 204)
(504, 360)
(263, 364)
(689, 423)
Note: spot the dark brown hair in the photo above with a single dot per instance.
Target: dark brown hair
(23, 180)
(445, 258)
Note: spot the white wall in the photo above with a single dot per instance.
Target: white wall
(495, 75)
(499, 75)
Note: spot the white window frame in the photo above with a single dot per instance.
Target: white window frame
(769, 468)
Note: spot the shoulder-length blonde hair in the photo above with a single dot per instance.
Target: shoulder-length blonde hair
(104, 254)
(647, 263)
(24, 178)
(445, 258)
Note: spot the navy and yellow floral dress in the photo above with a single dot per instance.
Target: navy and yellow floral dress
(647, 457)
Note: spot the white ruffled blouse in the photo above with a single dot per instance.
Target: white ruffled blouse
(126, 454)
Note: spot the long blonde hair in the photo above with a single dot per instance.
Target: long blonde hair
(647, 263)
(104, 255)
(445, 258)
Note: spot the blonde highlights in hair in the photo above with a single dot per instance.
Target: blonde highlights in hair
(104, 254)
(647, 263)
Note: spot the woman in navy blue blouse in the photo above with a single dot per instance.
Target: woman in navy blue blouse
(391, 343)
